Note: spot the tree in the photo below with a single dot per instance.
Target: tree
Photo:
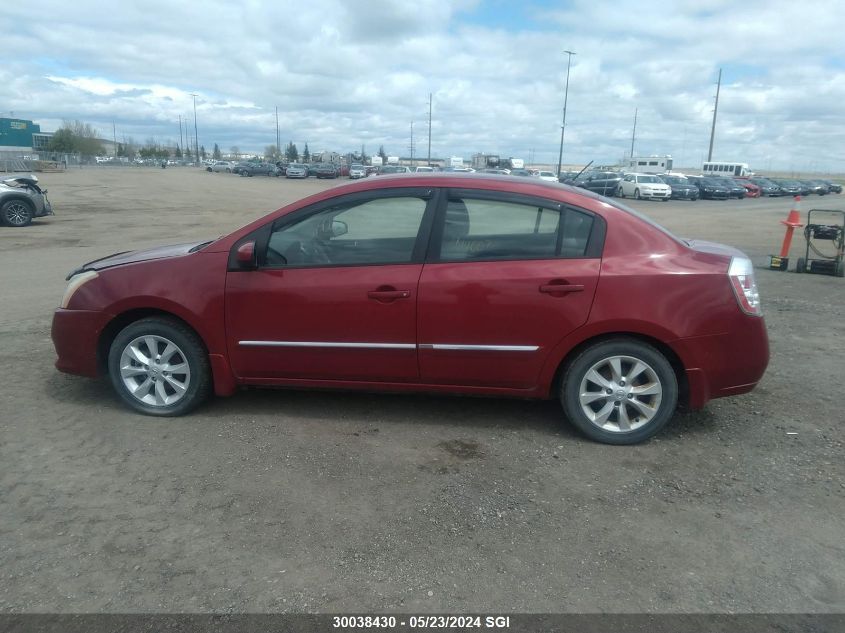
(202, 152)
(178, 152)
(382, 154)
(271, 153)
(62, 141)
(306, 155)
(291, 153)
(235, 151)
(188, 154)
(215, 154)
(76, 137)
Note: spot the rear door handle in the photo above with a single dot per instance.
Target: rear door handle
(388, 295)
(561, 288)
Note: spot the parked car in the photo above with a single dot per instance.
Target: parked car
(495, 170)
(260, 169)
(604, 182)
(296, 170)
(548, 176)
(682, 189)
(239, 166)
(357, 171)
(710, 188)
(312, 169)
(789, 187)
(222, 165)
(387, 284)
(641, 186)
(816, 187)
(767, 187)
(423, 169)
(734, 190)
(326, 170)
(393, 169)
(833, 187)
(21, 200)
(751, 190)
(524, 173)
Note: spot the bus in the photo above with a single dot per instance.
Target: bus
(719, 168)
(650, 164)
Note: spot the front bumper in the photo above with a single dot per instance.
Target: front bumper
(76, 334)
(691, 194)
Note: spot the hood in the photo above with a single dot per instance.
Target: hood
(20, 179)
(133, 257)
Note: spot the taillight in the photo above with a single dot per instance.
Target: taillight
(741, 274)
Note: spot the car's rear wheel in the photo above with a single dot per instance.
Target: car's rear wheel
(620, 192)
(620, 391)
(158, 366)
(16, 213)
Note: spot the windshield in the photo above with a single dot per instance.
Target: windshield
(674, 180)
(648, 179)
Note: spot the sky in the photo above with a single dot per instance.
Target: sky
(351, 73)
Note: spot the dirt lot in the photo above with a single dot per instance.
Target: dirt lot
(294, 501)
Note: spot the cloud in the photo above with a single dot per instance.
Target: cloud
(345, 74)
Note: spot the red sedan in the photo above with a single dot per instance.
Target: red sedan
(445, 283)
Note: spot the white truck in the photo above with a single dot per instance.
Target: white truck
(376, 161)
(454, 161)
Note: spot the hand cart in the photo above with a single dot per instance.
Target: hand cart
(814, 232)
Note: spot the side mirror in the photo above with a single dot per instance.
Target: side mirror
(245, 255)
(339, 227)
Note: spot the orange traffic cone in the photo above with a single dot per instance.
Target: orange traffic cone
(792, 221)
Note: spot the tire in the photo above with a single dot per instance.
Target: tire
(801, 265)
(665, 199)
(637, 194)
(208, 169)
(620, 355)
(620, 192)
(185, 390)
(228, 171)
(17, 213)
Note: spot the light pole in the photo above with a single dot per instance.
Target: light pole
(565, 99)
(196, 136)
(429, 129)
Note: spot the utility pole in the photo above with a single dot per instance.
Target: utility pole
(715, 110)
(278, 138)
(429, 129)
(412, 143)
(565, 99)
(634, 133)
(180, 133)
(114, 138)
(196, 135)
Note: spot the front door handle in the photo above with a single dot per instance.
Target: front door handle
(388, 294)
(560, 288)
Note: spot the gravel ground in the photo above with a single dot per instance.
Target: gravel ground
(338, 502)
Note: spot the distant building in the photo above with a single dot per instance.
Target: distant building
(21, 137)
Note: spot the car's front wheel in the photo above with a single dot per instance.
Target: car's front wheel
(637, 194)
(16, 213)
(620, 391)
(159, 366)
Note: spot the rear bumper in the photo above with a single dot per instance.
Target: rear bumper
(75, 335)
(725, 364)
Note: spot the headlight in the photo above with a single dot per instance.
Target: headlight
(76, 282)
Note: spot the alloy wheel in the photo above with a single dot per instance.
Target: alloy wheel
(620, 394)
(154, 371)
